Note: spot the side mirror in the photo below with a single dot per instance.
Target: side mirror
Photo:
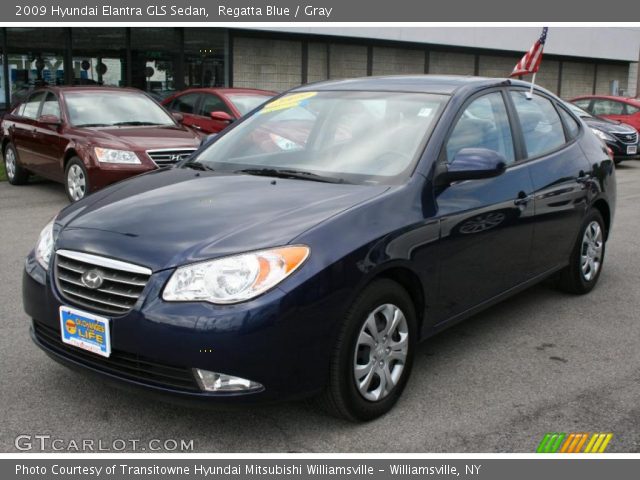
(178, 117)
(50, 120)
(474, 164)
(221, 117)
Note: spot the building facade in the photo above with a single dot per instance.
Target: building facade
(160, 60)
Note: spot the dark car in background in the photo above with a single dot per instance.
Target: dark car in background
(213, 109)
(622, 109)
(405, 205)
(90, 137)
(621, 138)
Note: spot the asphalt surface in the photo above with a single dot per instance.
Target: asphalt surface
(543, 361)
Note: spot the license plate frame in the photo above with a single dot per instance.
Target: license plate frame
(85, 330)
(632, 150)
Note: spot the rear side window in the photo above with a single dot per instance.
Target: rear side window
(483, 124)
(583, 104)
(541, 126)
(185, 103)
(32, 105)
(572, 125)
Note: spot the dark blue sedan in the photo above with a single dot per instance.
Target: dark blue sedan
(309, 247)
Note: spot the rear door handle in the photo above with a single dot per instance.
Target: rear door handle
(522, 199)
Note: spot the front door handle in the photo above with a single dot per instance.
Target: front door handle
(522, 199)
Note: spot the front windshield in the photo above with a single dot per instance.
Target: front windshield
(357, 137)
(114, 108)
(245, 102)
(578, 111)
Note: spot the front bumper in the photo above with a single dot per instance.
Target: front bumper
(620, 150)
(277, 340)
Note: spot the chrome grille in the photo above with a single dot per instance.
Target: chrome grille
(169, 156)
(121, 286)
(630, 138)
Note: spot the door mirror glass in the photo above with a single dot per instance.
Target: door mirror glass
(221, 116)
(474, 164)
(49, 120)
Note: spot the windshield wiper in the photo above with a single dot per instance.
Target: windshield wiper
(197, 166)
(135, 123)
(286, 173)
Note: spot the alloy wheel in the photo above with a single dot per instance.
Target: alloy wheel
(10, 163)
(591, 251)
(76, 182)
(381, 352)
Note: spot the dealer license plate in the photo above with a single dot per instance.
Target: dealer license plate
(85, 330)
(632, 150)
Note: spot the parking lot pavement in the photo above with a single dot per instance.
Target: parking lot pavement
(541, 362)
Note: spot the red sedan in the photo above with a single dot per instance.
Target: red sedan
(623, 109)
(212, 109)
(90, 137)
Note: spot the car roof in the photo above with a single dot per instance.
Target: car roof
(632, 101)
(437, 84)
(227, 90)
(87, 88)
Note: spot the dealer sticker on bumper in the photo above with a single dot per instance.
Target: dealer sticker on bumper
(85, 330)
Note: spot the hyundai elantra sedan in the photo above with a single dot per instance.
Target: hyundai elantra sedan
(309, 248)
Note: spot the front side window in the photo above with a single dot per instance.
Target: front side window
(359, 137)
(245, 102)
(114, 108)
(51, 106)
(631, 110)
(483, 124)
(32, 105)
(212, 103)
(607, 107)
(185, 103)
(541, 126)
(584, 103)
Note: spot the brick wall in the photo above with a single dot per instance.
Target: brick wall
(632, 85)
(265, 63)
(397, 61)
(347, 61)
(449, 63)
(607, 73)
(577, 79)
(317, 62)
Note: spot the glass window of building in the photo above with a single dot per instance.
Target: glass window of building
(154, 54)
(99, 56)
(205, 57)
(35, 57)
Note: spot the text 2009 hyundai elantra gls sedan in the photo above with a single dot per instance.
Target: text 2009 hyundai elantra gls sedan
(311, 246)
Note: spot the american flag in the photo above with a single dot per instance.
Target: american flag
(530, 63)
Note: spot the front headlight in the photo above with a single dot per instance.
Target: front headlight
(108, 155)
(234, 279)
(602, 135)
(44, 247)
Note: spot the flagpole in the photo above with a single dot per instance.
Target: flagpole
(533, 81)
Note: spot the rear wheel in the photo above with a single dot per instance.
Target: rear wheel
(16, 175)
(372, 360)
(587, 257)
(76, 180)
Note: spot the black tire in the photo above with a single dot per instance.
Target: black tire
(20, 174)
(341, 397)
(572, 279)
(75, 163)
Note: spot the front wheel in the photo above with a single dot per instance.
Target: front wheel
(587, 257)
(76, 180)
(372, 360)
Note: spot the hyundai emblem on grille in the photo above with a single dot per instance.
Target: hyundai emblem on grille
(92, 279)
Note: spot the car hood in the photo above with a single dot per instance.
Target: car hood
(608, 126)
(144, 138)
(178, 216)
